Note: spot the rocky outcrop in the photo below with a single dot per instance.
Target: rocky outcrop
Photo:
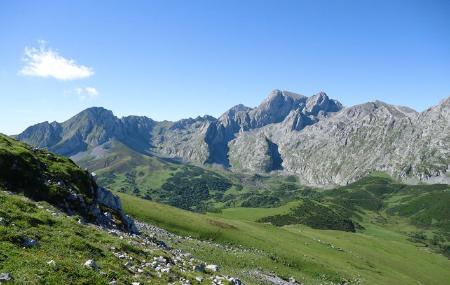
(105, 199)
(41, 175)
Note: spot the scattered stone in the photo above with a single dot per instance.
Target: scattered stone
(199, 267)
(160, 259)
(212, 267)
(51, 263)
(28, 242)
(91, 264)
(199, 278)
(107, 215)
(4, 277)
(234, 281)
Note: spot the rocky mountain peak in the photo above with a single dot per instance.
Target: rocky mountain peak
(42, 134)
(275, 108)
(239, 108)
(94, 115)
(277, 97)
(321, 102)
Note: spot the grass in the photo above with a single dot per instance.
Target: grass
(62, 240)
(376, 255)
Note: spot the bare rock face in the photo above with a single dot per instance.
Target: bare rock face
(106, 199)
(184, 139)
(348, 145)
(315, 138)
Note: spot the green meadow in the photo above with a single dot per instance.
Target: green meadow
(376, 254)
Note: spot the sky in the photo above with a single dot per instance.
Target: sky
(175, 59)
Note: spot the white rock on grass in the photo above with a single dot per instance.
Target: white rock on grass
(91, 264)
(212, 267)
(5, 277)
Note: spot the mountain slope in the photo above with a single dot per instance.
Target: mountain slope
(383, 251)
(41, 175)
(314, 138)
(58, 227)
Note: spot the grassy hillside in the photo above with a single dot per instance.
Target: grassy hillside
(378, 254)
(62, 246)
(60, 239)
(45, 202)
(41, 174)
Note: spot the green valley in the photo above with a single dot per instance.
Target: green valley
(390, 245)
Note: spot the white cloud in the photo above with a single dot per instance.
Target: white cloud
(87, 93)
(45, 62)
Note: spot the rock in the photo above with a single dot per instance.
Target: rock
(51, 263)
(91, 264)
(108, 199)
(199, 267)
(4, 277)
(234, 281)
(212, 267)
(29, 242)
(199, 278)
(160, 259)
(107, 215)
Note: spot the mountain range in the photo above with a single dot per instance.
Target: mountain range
(314, 138)
(245, 179)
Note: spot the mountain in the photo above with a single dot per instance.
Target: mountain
(402, 232)
(314, 138)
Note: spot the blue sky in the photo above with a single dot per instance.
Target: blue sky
(175, 59)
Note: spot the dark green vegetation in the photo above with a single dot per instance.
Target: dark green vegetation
(315, 215)
(191, 186)
(426, 207)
